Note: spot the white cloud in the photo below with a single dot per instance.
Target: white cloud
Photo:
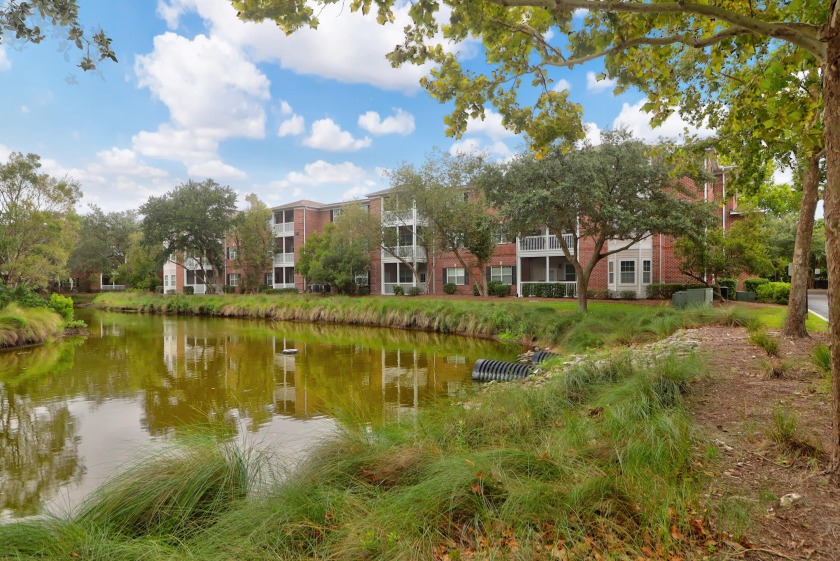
(633, 118)
(580, 13)
(206, 84)
(285, 108)
(332, 51)
(593, 134)
(24, 109)
(497, 149)
(5, 63)
(292, 126)
(400, 122)
(4, 153)
(321, 173)
(783, 176)
(123, 162)
(215, 169)
(597, 86)
(176, 144)
(562, 84)
(491, 125)
(355, 193)
(327, 135)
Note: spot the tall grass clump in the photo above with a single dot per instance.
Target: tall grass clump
(27, 326)
(821, 357)
(767, 342)
(173, 495)
(785, 432)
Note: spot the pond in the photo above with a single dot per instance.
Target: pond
(74, 412)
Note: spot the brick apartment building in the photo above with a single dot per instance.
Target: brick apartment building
(535, 258)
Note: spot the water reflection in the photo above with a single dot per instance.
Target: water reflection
(72, 412)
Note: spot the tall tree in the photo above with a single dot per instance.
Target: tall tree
(614, 192)
(21, 20)
(194, 218)
(142, 265)
(456, 216)
(662, 47)
(38, 223)
(254, 242)
(103, 242)
(712, 254)
(331, 258)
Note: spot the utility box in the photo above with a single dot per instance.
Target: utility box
(679, 299)
(700, 296)
(745, 296)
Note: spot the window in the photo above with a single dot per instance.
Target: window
(334, 214)
(455, 275)
(627, 272)
(499, 236)
(646, 271)
(231, 253)
(288, 245)
(406, 276)
(502, 273)
(570, 273)
(611, 273)
(233, 279)
(406, 237)
(267, 280)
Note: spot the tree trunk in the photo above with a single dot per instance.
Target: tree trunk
(582, 288)
(798, 302)
(831, 122)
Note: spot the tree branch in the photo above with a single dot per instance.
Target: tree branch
(803, 35)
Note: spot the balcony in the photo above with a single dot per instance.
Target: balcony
(564, 289)
(545, 244)
(284, 259)
(193, 264)
(397, 218)
(284, 229)
(404, 253)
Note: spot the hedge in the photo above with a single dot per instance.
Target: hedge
(548, 290)
(776, 292)
(751, 285)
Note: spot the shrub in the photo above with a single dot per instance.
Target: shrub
(752, 284)
(548, 290)
(450, 288)
(777, 292)
(264, 287)
(189, 290)
(476, 290)
(731, 284)
(415, 291)
(62, 305)
(598, 293)
(363, 290)
(281, 291)
(498, 288)
(627, 295)
(228, 289)
(398, 290)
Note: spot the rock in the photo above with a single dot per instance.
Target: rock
(790, 500)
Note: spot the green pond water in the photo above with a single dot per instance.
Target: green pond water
(74, 412)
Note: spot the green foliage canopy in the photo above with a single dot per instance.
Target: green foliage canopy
(38, 222)
(254, 243)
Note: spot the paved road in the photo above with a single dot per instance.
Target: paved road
(818, 302)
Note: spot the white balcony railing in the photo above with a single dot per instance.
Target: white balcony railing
(283, 285)
(388, 287)
(559, 289)
(281, 259)
(396, 218)
(284, 229)
(112, 287)
(198, 288)
(193, 264)
(405, 252)
(545, 243)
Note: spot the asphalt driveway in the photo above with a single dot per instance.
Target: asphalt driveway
(818, 302)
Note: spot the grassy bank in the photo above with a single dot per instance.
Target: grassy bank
(552, 322)
(599, 459)
(28, 326)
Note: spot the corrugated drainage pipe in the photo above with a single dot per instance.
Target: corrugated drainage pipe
(486, 370)
(541, 356)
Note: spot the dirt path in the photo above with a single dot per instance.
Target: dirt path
(734, 411)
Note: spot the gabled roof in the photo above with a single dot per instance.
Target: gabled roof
(303, 203)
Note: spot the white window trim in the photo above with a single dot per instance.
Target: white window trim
(648, 273)
(497, 273)
(611, 272)
(621, 272)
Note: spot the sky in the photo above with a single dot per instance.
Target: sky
(199, 94)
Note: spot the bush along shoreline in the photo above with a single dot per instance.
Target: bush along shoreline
(28, 319)
(554, 323)
(598, 460)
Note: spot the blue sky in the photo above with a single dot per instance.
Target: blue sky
(197, 93)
